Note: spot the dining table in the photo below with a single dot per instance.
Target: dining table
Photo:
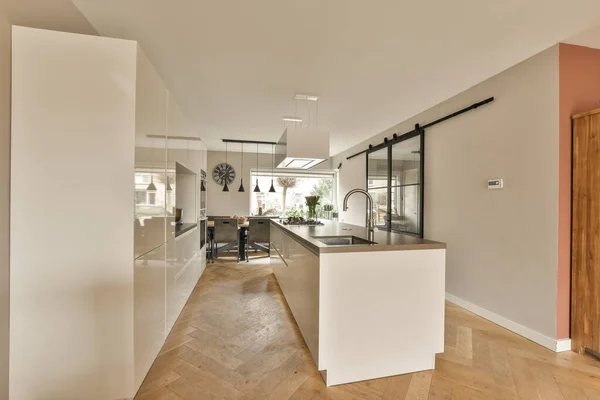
(242, 238)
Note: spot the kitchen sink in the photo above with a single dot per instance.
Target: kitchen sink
(342, 240)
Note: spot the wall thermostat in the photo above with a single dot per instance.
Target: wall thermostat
(495, 183)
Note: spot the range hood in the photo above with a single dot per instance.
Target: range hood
(302, 148)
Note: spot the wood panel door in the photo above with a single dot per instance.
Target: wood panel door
(585, 293)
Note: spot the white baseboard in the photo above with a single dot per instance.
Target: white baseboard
(563, 345)
(534, 336)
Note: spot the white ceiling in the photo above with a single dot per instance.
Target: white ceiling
(235, 65)
(57, 15)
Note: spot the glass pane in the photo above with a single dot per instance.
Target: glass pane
(378, 169)
(406, 209)
(289, 197)
(380, 210)
(406, 162)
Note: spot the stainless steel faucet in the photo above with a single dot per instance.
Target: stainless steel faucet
(371, 223)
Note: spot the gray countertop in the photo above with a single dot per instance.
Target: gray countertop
(384, 241)
(183, 228)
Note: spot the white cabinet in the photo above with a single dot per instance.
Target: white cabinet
(297, 271)
(89, 244)
(184, 266)
(149, 304)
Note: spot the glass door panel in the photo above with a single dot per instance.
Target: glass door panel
(394, 179)
(406, 209)
(405, 212)
(406, 162)
(378, 169)
(380, 197)
(377, 185)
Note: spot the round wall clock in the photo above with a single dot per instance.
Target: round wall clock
(223, 172)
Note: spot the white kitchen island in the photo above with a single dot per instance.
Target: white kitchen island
(365, 310)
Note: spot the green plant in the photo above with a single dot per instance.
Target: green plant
(312, 202)
(323, 188)
(296, 212)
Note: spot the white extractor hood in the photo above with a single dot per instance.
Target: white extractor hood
(302, 148)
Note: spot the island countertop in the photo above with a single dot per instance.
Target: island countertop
(384, 241)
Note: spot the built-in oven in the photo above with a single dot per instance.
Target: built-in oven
(203, 225)
(203, 194)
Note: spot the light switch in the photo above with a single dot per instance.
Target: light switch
(496, 184)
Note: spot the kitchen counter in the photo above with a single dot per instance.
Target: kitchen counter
(384, 241)
(183, 228)
(366, 311)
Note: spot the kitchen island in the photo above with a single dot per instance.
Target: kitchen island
(366, 309)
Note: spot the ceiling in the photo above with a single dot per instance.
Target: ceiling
(58, 15)
(234, 66)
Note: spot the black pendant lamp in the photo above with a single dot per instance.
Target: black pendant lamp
(272, 190)
(241, 189)
(151, 187)
(226, 186)
(257, 189)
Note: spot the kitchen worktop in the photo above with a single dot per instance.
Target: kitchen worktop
(384, 241)
(183, 228)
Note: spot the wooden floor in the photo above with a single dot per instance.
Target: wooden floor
(236, 339)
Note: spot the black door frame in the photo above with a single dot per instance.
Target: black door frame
(388, 147)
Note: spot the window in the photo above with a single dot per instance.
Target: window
(142, 179)
(394, 179)
(291, 190)
(152, 203)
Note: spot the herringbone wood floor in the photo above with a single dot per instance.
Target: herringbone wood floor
(236, 339)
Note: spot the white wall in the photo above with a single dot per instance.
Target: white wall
(5, 67)
(72, 277)
(233, 202)
(502, 245)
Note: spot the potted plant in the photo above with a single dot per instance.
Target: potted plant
(312, 202)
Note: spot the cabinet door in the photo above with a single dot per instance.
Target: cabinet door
(298, 278)
(184, 266)
(152, 194)
(585, 307)
(149, 310)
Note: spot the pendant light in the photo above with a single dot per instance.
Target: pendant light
(272, 190)
(241, 189)
(257, 189)
(169, 188)
(151, 187)
(226, 186)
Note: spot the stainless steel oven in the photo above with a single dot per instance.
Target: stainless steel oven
(203, 188)
(202, 223)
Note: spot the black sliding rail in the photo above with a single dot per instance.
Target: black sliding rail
(418, 128)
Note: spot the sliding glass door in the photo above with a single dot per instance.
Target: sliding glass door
(395, 180)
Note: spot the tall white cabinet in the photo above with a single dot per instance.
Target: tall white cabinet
(99, 270)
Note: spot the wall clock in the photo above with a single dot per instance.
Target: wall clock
(223, 172)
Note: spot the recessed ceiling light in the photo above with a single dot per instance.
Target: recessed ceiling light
(307, 97)
(292, 119)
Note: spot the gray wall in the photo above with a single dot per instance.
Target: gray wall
(5, 63)
(502, 245)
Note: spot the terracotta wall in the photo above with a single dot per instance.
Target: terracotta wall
(579, 91)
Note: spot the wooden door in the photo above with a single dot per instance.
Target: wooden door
(585, 296)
